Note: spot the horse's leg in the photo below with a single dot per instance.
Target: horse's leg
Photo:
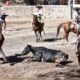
(44, 31)
(4, 57)
(43, 28)
(40, 35)
(36, 36)
(65, 37)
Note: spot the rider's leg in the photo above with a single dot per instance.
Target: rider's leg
(78, 29)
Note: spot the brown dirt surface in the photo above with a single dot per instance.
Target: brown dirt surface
(17, 36)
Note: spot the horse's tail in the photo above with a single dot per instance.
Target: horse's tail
(58, 29)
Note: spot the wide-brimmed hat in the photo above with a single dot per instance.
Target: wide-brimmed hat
(39, 7)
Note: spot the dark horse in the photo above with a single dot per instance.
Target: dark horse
(38, 27)
(3, 16)
(67, 29)
(44, 54)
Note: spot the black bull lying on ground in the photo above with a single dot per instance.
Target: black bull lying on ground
(44, 54)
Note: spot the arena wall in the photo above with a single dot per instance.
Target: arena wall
(24, 13)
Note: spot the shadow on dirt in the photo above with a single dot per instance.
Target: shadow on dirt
(63, 63)
(51, 39)
(17, 58)
(71, 74)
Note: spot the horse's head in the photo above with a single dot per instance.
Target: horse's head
(34, 17)
(26, 50)
(39, 16)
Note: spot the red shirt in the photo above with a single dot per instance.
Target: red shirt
(7, 2)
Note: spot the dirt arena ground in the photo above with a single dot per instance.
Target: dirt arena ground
(17, 36)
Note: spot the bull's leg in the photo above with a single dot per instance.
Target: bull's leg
(4, 57)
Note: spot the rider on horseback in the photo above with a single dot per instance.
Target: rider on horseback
(76, 19)
(39, 13)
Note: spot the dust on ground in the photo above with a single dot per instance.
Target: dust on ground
(17, 36)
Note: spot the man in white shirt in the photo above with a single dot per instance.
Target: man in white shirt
(76, 20)
(39, 12)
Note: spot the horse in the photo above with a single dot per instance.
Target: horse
(38, 27)
(67, 29)
(2, 21)
(44, 54)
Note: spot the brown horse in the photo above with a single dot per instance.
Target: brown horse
(38, 27)
(67, 29)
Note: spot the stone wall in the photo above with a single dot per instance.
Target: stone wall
(24, 13)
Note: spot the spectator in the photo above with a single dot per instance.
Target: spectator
(7, 2)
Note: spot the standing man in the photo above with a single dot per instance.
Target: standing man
(76, 19)
(2, 20)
